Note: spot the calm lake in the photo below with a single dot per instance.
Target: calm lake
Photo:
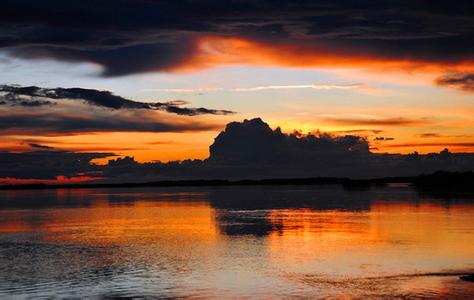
(228, 242)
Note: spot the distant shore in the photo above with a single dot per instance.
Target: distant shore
(441, 180)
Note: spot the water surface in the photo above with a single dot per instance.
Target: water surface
(235, 242)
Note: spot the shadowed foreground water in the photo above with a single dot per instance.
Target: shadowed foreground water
(235, 242)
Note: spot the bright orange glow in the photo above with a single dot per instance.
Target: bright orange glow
(143, 146)
(219, 50)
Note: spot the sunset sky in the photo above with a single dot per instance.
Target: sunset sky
(402, 76)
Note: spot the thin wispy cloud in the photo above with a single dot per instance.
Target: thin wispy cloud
(358, 131)
(398, 121)
(301, 86)
(190, 90)
(262, 88)
(440, 144)
(438, 135)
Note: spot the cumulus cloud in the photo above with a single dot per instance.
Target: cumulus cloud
(458, 80)
(253, 140)
(165, 35)
(35, 96)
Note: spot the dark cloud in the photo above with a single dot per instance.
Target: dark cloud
(59, 111)
(15, 95)
(171, 108)
(39, 146)
(430, 135)
(256, 141)
(56, 123)
(381, 138)
(250, 149)
(140, 58)
(380, 122)
(13, 101)
(458, 80)
(161, 35)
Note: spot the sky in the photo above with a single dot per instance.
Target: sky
(158, 80)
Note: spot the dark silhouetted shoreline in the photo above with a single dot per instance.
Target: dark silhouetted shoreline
(438, 181)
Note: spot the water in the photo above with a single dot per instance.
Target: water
(235, 242)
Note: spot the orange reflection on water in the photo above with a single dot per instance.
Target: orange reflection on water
(106, 223)
(193, 242)
(391, 237)
(446, 229)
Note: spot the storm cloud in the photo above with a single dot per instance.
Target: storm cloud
(167, 35)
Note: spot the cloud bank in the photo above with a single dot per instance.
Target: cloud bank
(168, 35)
(244, 150)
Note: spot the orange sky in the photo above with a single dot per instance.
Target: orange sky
(394, 103)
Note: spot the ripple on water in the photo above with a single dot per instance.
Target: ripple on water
(234, 243)
(410, 285)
